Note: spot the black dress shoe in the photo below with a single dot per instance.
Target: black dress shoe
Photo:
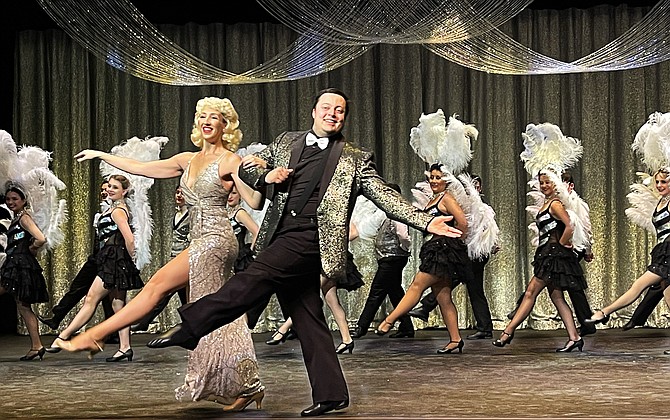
(402, 334)
(587, 330)
(629, 325)
(358, 332)
(479, 335)
(319, 408)
(419, 313)
(176, 336)
(49, 322)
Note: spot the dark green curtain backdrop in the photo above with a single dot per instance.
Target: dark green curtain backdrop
(66, 100)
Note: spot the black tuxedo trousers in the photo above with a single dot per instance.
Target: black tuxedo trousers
(289, 266)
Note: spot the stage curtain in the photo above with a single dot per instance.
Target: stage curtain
(66, 100)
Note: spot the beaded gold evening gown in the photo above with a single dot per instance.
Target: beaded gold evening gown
(223, 367)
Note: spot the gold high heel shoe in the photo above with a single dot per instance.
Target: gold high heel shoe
(78, 343)
(242, 402)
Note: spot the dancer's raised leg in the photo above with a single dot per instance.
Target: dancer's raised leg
(169, 278)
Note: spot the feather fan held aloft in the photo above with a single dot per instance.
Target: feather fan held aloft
(137, 199)
(27, 168)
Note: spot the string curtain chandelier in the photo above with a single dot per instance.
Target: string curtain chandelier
(333, 33)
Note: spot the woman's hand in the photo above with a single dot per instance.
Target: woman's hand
(88, 154)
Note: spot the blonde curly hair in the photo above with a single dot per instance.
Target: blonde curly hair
(232, 135)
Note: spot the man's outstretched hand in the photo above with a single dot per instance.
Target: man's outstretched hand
(439, 226)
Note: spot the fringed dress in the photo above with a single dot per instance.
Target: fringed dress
(445, 257)
(21, 274)
(555, 264)
(115, 265)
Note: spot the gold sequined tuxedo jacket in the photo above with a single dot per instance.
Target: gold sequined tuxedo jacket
(348, 172)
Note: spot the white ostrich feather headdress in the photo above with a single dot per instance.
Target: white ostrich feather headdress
(652, 144)
(449, 145)
(27, 168)
(652, 141)
(137, 200)
(546, 145)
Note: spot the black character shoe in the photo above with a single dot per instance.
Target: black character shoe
(291, 335)
(277, 338)
(571, 345)
(358, 332)
(174, 337)
(598, 320)
(628, 326)
(666, 352)
(49, 322)
(32, 353)
(319, 408)
(121, 355)
(420, 313)
(480, 335)
(343, 347)
(402, 334)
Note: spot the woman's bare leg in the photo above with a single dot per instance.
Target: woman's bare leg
(118, 302)
(420, 283)
(329, 290)
(527, 303)
(565, 312)
(639, 285)
(442, 291)
(95, 294)
(172, 276)
(26, 311)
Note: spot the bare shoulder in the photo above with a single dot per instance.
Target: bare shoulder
(183, 158)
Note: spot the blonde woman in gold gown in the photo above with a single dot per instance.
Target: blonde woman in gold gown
(223, 368)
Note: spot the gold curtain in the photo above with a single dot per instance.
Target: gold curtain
(66, 101)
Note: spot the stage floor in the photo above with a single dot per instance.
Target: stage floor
(619, 374)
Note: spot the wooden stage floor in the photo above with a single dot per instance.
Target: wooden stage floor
(619, 375)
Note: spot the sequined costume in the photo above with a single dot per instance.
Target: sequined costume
(21, 274)
(115, 265)
(660, 254)
(445, 257)
(223, 366)
(555, 264)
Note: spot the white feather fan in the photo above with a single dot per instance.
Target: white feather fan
(27, 167)
(643, 199)
(138, 201)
